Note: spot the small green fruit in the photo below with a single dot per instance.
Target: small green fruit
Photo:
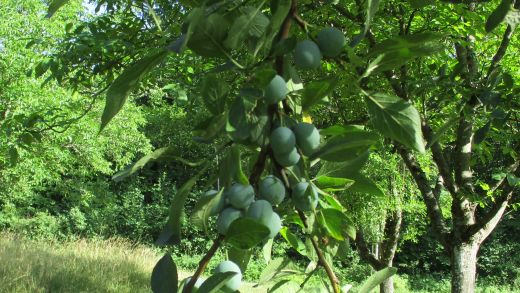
(272, 190)
(331, 41)
(240, 196)
(198, 283)
(304, 199)
(307, 137)
(232, 284)
(282, 140)
(276, 90)
(219, 206)
(225, 218)
(307, 55)
(274, 224)
(260, 210)
(287, 159)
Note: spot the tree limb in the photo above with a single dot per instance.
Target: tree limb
(392, 231)
(365, 253)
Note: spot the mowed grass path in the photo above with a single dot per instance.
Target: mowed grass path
(77, 266)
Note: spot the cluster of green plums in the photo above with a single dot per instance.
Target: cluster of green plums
(329, 43)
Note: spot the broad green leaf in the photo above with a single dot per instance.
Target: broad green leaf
(330, 184)
(481, 133)
(279, 9)
(376, 279)
(335, 130)
(346, 147)
(214, 93)
(238, 125)
(344, 169)
(171, 233)
(267, 250)
(277, 269)
(396, 119)
(293, 240)
(210, 128)
(334, 221)
(162, 153)
(215, 282)
(245, 233)
(239, 256)
(54, 6)
(498, 15)
(164, 276)
(394, 52)
(238, 173)
(208, 36)
(364, 185)
(203, 208)
(252, 23)
(439, 133)
(119, 90)
(285, 286)
(315, 92)
(371, 9)
(512, 180)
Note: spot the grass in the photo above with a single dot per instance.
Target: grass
(117, 265)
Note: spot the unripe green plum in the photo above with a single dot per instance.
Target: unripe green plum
(276, 90)
(307, 55)
(282, 140)
(303, 199)
(272, 190)
(287, 159)
(240, 196)
(226, 217)
(307, 137)
(220, 205)
(331, 41)
(198, 283)
(274, 224)
(260, 210)
(232, 284)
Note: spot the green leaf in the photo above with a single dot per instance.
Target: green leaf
(14, 156)
(280, 9)
(364, 185)
(481, 133)
(267, 250)
(315, 92)
(376, 279)
(214, 93)
(394, 52)
(238, 125)
(498, 15)
(278, 268)
(54, 6)
(164, 276)
(344, 169)
(293, 240)
(512, 180)
(126, 82)
(239, 256)
(171, 233)
(336, 130)
(245, 233)
(251, 24)
(331, 184)
(131, 169)
(203, 208)
(334, 221)
(371, 9)
(445, 127)
(238, 173)
(346, 147)
(396, 119)
(210, 128)
(208, 36)
(215, 282)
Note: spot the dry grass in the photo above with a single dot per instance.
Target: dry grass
(113, 265)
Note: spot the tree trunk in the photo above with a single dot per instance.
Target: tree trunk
(463, 267)
(387, 286)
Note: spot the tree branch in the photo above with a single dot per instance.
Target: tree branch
(365, 253)
(203, 264)
(392, 231)
(432, 205)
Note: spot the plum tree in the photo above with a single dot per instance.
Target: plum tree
(307, 55)
(304, 196)
(219, 206)
(240, 196)
(282, 140)
(307, 137)
(330, 41)
(232, 284)
(226, 217)
(276, 90)
(287, 159)
(272, 189)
